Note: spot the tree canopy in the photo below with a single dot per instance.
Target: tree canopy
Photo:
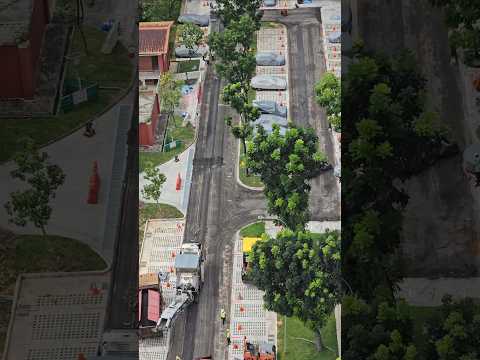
(230, 10)
(328, 95)
(286, 164)
(299, 272)
(388, 136)
(33, 204)
(153, 190)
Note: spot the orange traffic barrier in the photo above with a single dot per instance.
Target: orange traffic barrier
(94, 185)
(178, 183)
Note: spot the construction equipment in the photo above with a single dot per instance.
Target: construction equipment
(248, 243)
(262, 351)
(189, 279)
(150, 303)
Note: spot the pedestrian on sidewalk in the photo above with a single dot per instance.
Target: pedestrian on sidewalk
(178, 358)
(223, 316)
(227, 336)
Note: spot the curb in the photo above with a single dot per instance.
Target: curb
(237, 173)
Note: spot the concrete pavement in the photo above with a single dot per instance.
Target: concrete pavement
(71, 215)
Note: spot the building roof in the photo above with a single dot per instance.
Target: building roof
(15, 18)
(153, 37)
(145, 103)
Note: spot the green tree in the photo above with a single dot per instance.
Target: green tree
(33, 204)
(236, 96)
(169, 91)
(159, 10)
(286, 164)
(377, 331)
(328, 95)
(454, 331)
(235, 59)
(153, 189)
(190, 36)
(230, 10)
(389, 136)
(299, 273)
(461, 17)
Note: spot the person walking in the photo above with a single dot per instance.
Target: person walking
(227, 336)
(223, 316)
(178, 358)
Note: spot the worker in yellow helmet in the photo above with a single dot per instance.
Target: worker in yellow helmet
(223, 316)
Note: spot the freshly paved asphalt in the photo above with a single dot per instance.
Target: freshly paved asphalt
(306, 66)
(219, 206)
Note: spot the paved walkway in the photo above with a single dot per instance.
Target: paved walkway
(71, 216)
(57, 316)
(171, 169)
(248, 316)
(162, 241)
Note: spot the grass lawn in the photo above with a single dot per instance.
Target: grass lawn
(253, 230)
(34, 253)
(187, 66)
(297, 349)
(154, 211)
(250, 180)
(113, 70)
(176, 131)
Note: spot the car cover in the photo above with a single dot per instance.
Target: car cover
(269, 82)
(335, 37)
(270, 59)
(200, 20)
(183, 52)
(270, 107)
(268, 119)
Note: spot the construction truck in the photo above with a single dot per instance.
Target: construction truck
(150, 303)
(262, 351)
(247, 244)
(188, 282)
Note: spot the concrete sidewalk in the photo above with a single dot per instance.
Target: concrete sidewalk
(71, 216)
(171, 169)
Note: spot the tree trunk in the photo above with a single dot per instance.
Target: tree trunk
(244, 141)
(44, 233)
(319, 341)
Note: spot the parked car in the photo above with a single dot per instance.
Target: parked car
(200, 20)
(184, 52)
(269, 59)
(270, 107)
(269, 82)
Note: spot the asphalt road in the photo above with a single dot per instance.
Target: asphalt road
(306, 66)
(440, 223)
(121, 312)
(219, 206)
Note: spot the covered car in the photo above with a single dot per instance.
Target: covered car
(269, 119)
(269, 2)
(270, 107)
(200, 20)
(335, 37)
(184, 52)
(269, 82)
(269, 59)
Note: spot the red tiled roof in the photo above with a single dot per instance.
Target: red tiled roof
(153, 37)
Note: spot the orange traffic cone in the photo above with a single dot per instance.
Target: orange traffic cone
(94, 185)
(178, 183)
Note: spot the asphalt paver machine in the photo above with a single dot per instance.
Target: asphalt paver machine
(189, 279)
